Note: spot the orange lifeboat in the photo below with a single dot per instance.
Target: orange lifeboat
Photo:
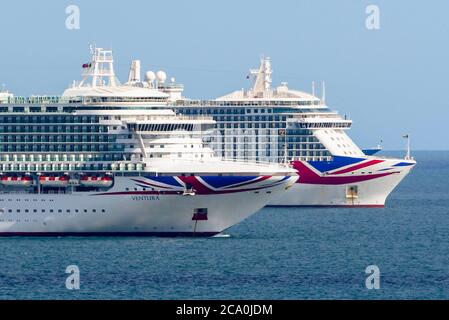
(93, 181)
(54, 181)
(16, 181)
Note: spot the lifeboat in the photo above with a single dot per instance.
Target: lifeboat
(54, 181)
(93, 181)
(16, 181)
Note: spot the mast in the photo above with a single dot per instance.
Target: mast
(100, 69)
(407, 156)
(323, 98)
(262, 75)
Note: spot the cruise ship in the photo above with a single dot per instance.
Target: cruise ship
(290, 126)
(88, 164)
(264, 124)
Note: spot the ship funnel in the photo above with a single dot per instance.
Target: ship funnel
(134, 71)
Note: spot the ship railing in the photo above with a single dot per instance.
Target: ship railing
(61, 100)
(208, 103)
(171, 118)
(170, 86)
(33, 100)
(247, 161)
(390, 157)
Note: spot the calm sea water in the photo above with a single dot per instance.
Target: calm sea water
(276, 254)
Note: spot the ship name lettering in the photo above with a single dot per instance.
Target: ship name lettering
(145, 198)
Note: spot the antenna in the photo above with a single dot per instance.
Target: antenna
(313, 88)
(323, 98)
(407, 156)
(92, 49)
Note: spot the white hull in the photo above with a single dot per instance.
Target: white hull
(112, 213)
(370, 193)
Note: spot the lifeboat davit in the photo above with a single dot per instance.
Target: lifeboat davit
(93, 181)
(54, 181)
(16, 181)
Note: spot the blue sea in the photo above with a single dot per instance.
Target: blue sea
(279, 253)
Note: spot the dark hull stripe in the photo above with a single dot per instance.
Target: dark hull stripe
(108, 234)
(329, 206)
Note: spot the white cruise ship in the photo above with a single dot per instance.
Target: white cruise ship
(285, 125)
(74, 168)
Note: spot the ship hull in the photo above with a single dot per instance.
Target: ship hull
(372, 181)
(133, 213)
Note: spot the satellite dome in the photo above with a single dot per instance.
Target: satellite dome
(161, 76)
(150, 76)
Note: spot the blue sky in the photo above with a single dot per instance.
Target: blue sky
(389, 81)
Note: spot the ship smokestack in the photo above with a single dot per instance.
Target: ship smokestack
(134, 71)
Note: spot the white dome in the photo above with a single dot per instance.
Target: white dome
(150, 76)
(161, 76)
